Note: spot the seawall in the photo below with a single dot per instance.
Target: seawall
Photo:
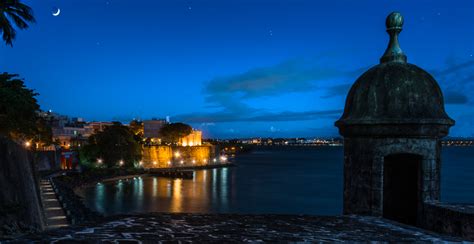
(20, 200)
(177, 156)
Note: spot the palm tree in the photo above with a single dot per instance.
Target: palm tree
(19, 13)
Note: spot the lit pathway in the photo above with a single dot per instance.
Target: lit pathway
(54, 213)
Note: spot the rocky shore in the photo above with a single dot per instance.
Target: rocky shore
(232, 228)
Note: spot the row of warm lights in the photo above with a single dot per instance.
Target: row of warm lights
(121, 162)
(222, 158)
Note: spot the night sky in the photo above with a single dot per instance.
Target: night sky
(236, 68)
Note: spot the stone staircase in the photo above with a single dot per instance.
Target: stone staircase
(54, 213)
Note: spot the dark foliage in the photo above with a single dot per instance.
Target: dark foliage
(17, 13)
(19, 109)
(116, 143)
(172, 132)
(137, 129)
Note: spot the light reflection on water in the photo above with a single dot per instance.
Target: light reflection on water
(159, 194)
(283, 180)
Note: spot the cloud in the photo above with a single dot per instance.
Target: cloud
(455, 97)
(230, 95)
(454, 68)
(337, 90)
(289, 76)
(226, 116)
(457, 80)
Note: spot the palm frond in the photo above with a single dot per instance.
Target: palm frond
(18, 20)
(19, 13)
(9, 33)
(23, 11)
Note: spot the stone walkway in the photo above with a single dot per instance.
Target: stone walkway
(225, 228)
(55, 217)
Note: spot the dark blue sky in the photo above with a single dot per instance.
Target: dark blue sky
(234, 68)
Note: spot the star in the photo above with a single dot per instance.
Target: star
(189, 7)
(270, 32)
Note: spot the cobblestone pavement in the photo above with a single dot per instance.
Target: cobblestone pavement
(225, 228)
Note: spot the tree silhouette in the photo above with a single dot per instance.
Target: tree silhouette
(172, 132)
(19, 109)
(13, 11)
(114, 144)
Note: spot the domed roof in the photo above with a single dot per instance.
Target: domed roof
(395, 92)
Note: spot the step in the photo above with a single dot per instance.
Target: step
(54, 213)
(52, 204)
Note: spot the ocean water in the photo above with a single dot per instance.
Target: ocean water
(283, 180)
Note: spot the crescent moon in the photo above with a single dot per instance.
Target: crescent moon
(57, 12)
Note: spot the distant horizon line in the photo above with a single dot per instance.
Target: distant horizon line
(316, 137)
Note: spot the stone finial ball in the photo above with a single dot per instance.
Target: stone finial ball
(394, 21)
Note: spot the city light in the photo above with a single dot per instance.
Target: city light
(177, 154)
(182, 162)
(154, 163)
(223, 158)
(99, 161)
(214, 160)
(194, 161)
(140, 163)
(204, 160)
(121, 162)
(27, 144)
(169, 163)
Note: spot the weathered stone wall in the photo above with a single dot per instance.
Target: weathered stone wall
(363, 170)
(156, 156)
(20, 200)
(193, 156)
(159, 156)
(452, 219)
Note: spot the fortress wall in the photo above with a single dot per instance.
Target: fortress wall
(177, 156)
(451, 219)
(20, 201)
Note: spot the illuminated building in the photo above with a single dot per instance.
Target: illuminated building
(193, 139)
